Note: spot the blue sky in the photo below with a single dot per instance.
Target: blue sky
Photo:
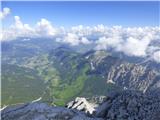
(67, 14)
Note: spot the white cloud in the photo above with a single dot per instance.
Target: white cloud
(18, 29)
(131, 41)
(134, 47)
(4, 12)
(156, 56)
(108, 42)
(45, 28)
(73, 39)
(18, 23)
(70, 38)
(135, 41)
(84, 40)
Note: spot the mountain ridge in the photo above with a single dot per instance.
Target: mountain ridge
(128, 105)
(69, 73)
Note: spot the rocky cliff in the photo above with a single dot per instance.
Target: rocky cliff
(122, 73)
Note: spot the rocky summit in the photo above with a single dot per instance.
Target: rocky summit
(82, 104)
(124, 105)
(42, 111)
(130, 105)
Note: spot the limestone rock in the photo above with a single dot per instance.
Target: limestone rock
(81, 104)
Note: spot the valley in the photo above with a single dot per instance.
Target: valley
(59, 73)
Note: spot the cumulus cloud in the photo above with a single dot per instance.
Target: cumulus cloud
(4, 12)
(135, 47)
(43, 28)
(136, 41)
(132, 41)
(156, 56)
(108, 42)
(90, 32)
(84, 40)
(73, 39)
(18, 29)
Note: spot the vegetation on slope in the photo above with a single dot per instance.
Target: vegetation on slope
(20, 84)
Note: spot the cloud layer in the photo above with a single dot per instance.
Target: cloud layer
(135, 41)
(43, 28)
(156, 56)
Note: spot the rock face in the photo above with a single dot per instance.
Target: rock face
(125, 105)
(97, 99)
(134, 77)
(88, 105)
(109, 68)
(82, 104)
(125, 74)
(41, 111)
(130, 105)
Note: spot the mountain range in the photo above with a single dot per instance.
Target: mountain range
(57, 73)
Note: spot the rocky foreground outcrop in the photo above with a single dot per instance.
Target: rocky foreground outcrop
(42, 111)
(82, 104)
(130, 105)
(126, 105)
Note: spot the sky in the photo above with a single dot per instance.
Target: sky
(128, 27)
(67, 14)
